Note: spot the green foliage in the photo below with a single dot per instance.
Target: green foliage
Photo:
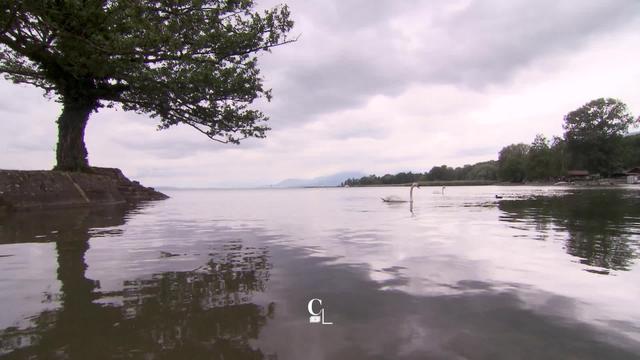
(594, 135)
(512, 162)
(594, 140)
(442, 173)
(190, 62)
(487, 170)
(539, 160)
(597, 124)
(484, 171)
(558, 155)
(631, 151)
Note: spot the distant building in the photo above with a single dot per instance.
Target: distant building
(633, 175)
(578, 174)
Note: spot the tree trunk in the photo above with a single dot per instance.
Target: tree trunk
(71, 153)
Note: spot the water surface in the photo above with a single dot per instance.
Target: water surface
(227, 274)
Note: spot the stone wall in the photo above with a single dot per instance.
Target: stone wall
(40, 189)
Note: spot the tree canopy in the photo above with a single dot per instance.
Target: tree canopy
(512, 162)
(594, 134)
(600, 118)
(190, 62)
(482, 171)
(539, 160)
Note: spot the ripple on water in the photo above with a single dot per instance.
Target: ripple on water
(228, 274)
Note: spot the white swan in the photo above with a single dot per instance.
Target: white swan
(395, 199)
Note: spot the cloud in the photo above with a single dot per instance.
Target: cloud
(349, 51)
(394, 86)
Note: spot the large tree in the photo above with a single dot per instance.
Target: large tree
(594, 134)
(512, 162)
(559, 159)
(539, 159)
(190, 62)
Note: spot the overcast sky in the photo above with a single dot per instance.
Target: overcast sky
(378, 87)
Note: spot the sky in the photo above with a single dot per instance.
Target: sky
(377, 87)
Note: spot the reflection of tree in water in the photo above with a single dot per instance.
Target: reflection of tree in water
(201, 314)
(205, 313)
(602, 224)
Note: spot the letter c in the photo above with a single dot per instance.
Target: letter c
(310, 306)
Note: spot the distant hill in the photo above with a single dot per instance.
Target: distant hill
(329, 180)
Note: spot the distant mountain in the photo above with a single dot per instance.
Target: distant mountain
(329, 180)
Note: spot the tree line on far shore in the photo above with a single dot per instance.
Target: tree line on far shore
(595, 140)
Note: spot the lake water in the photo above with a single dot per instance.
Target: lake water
(547, 273)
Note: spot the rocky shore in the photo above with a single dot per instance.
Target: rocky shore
(43, 189)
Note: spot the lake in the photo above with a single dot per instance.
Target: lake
(542, 272)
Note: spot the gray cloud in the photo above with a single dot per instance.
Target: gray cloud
(488, 151)
(340, 83)
(377, 87)
(353, 50)
(346, 16)
(168, 146)
(491, 39)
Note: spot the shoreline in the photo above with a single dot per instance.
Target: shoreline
(602, 182)
(22, 190)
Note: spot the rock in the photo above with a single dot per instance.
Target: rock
(41, 189)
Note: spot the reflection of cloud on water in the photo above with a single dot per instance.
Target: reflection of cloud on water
(477, 320)
(447, 245)
(453, 281)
